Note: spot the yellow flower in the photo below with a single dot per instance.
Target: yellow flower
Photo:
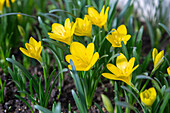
(123, 71)
(7, 4)
(157, 57)
(168, 70)
(118, 35)
(1, 5)
(96, 18)
(83, 58)
(33, 49)
(19, 16)
(83, 27)
(148, 96)
(63, 33)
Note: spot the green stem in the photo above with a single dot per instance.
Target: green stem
(144, 86)
(45, 77)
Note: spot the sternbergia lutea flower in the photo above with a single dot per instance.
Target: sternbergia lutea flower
(83, 58)
(122, 71)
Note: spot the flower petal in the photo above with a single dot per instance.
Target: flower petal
(121, 62)
(127, 80)
(154, 53)
(168, 70)
(58, 29)
(112, 68)
(92, 12)
(24, 51)
(67, 24)
(122, 29)
(77, 49)
(93, 61)
(158, 57)
(89, 51)
(32, 41)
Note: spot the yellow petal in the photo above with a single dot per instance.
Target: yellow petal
(102, 11)
(122, 29)
(121, 62)
(93, 61)
(39, 50)
(127, 80)
(24, 51)
(58, 29)
(154, 53)
(89, 51)
(32, 41)
(130, 64)
(112, 68)
(158, 57)
(168, 70)
(126, 38)
(73, 28)
(93, 12)
(67, 24)
(77, 49)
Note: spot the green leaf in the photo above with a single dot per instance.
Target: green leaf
(78, 102)
(25, 102)
(43, 27)
(167, 30)
(125, 104)
(78, 87)
(57, 108)
(122, 13)
(27, 74)
(165, 102)
(100, 109)
(124, 49)
(139, 38)
(59, 10)
(9, 14)
(107, 103)
(40, 108)
(151, 33)
(57, 44)
(125, 88)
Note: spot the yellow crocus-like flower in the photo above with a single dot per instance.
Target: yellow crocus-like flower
(83, 58)
(148, 96)
(118, 35)
(63, 33)
(96, 18)
(123, 71)
(168, 70)
(1, 5)
(33, 49)
(7, 4)
(157, 57)
(83, 27)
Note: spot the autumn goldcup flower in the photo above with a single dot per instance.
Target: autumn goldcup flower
(122, 71)
(118, 35)
(7, 4)
(83, 58)
(148, 96)
(158, 58)
(63, 33)
(83, 27)
(33, 49)
(96, 18)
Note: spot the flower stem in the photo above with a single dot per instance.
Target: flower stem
(45, 77)
(144, 86)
